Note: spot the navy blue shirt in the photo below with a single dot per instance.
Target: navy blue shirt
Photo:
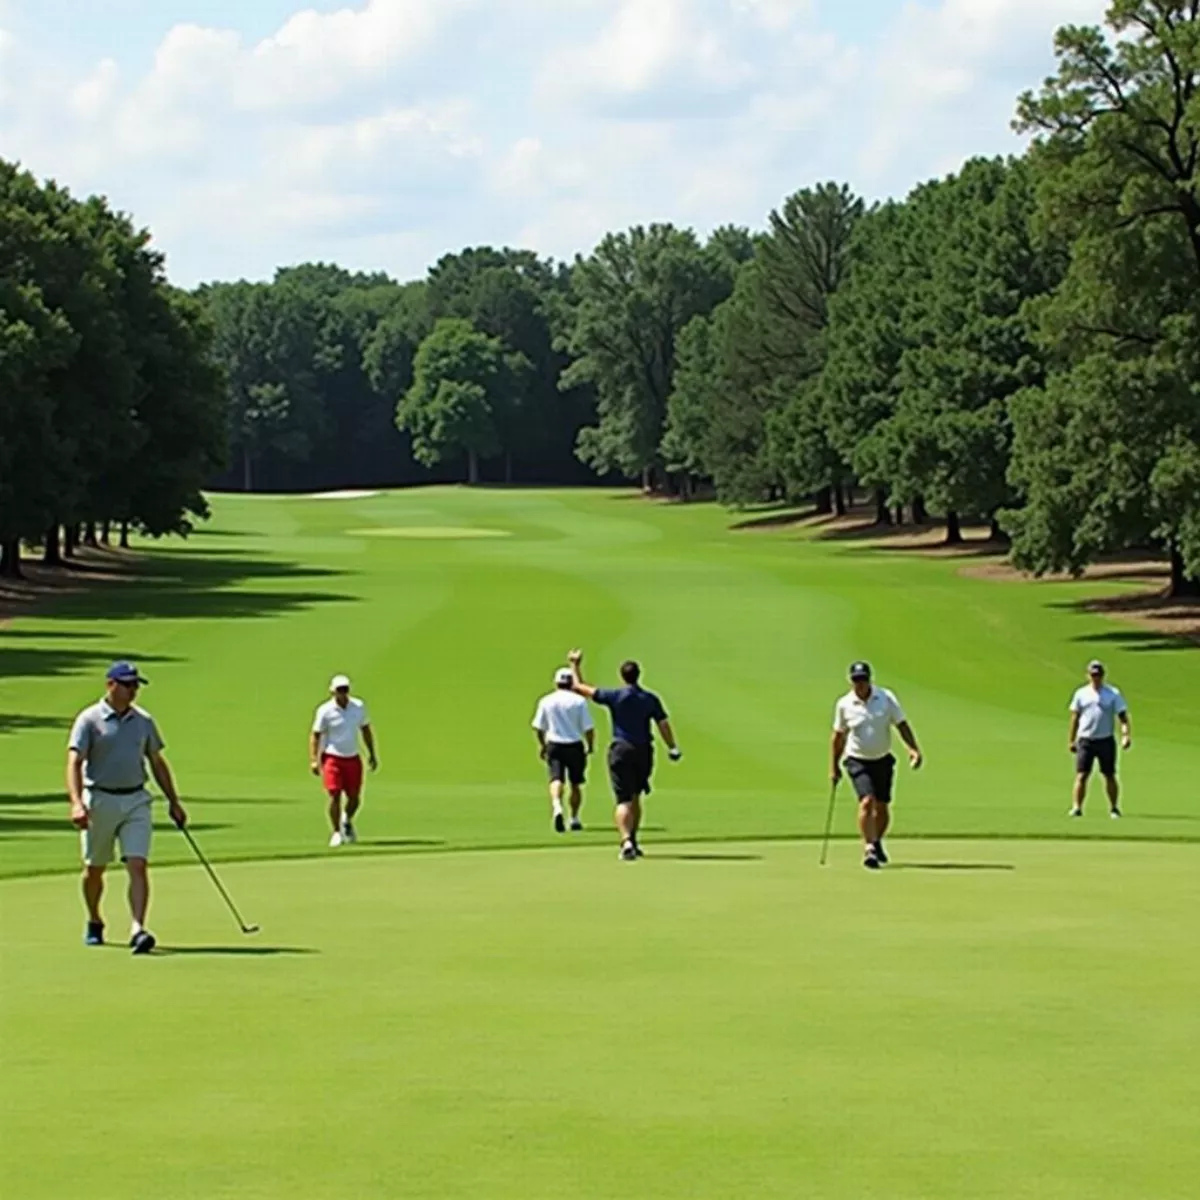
(632, 711)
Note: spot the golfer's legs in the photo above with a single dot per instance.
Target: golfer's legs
(1114, 790)
(556, 791)
(335, 810)
(883, 818)
(576, 799)
(866, 820)
(628, 813)
(1079, 792)
(139, 889)
(353, 800)
(93, 890)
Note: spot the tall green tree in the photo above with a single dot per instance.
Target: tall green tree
(1107, 454)
(632, 298)
(461, 379)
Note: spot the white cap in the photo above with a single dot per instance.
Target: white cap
(564, 675)
(339, 681)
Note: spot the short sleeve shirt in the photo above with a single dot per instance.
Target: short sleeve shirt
(633, 709)
(868, 723)
(563, 717)
(114, 747)
(1098, 710)
(338, 727)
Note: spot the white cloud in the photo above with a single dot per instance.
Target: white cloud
(386, 133)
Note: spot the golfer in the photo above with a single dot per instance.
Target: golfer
(111, 742)
(631, 755)
(862, 733)
(566, 737)
(333, 755)
(1095, 710)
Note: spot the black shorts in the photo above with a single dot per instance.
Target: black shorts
(872, 777)
(629, 769)
(566, 760)
(1091, 751)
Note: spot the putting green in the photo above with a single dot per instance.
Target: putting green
(539, 1020)
(990, 1020)
(434, 533)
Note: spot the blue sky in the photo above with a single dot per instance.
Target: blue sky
(249, 135)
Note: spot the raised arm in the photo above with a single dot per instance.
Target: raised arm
(575, 658)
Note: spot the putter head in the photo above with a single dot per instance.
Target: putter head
(248, 929)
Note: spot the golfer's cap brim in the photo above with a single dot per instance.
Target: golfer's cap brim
(338, 682)
(1095, 667)
(564, 676)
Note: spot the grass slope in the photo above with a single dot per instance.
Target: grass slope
(1004, 1012)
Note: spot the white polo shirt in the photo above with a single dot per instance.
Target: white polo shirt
(339, 727)
(563, 716)
(868, 723)
(1098, 710)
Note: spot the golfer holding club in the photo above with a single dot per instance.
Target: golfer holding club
(333, 755)
(862, 732)
(631, 756)
(566, 738)
(110, 744)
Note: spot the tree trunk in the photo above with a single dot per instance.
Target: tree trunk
(899, 514)
(10, 559)
(997, 533)
(882, 514)
(472, 468)
(70, 540)
(839, 500)
(824, 501)
(124, 535)
(954, 534)
(105, 530)
(52, 553)
(89, 535)
(1182, 584)
(919, 511)
(647, 480)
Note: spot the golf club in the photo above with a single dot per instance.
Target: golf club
(216, 882)
(829, 822)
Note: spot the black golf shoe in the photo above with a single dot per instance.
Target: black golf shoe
(880, 855)
(93, 935)
(871, 861)
(142, 942)
(560, 823)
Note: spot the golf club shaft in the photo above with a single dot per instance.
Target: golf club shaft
(187, 833)
(828, 822)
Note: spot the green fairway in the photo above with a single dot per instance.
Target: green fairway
(1006, 1011)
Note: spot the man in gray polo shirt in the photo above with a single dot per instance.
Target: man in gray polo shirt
(110, 744)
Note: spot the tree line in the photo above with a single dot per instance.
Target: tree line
(1016, 343)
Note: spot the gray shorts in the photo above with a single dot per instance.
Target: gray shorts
(113, 819)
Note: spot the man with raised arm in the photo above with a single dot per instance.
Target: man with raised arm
(635, 713)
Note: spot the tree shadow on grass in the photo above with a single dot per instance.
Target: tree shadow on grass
(22, 723)
(714, 857)
(32, 663)
(402, 843)
(195, 584)
(232, 951)
(950, 866)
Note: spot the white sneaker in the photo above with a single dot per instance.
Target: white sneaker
(1115, 814)
(1075, 812)
(348, 833)
(336, 839)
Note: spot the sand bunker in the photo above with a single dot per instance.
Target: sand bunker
(431, 533)
(350, 494)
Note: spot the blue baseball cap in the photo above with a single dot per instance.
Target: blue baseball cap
(860, 670)
(124, 672)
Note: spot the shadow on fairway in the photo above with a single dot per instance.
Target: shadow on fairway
(20, 723)
(202, 583)
(951, 866)
(1138, 639)
(708, 858)
(27, 662)
(232, 951)
(401, 843)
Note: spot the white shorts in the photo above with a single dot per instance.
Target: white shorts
(112, 819)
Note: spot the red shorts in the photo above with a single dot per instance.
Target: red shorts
(342, 774)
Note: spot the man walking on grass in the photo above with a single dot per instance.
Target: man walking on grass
(635, 712)
(862, 733)
(566, 737)
(110, 744)
(1095, 710)
(333, 754)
